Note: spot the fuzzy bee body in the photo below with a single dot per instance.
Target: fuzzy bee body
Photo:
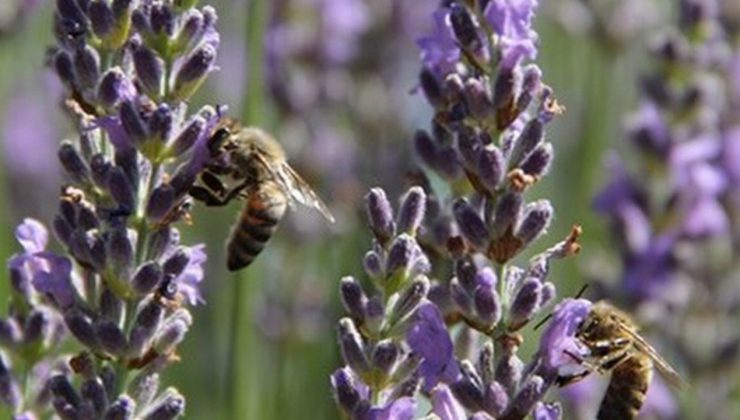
(615, 346)
(256, 165)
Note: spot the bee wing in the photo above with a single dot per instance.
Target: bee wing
(665, 369)
(300, 191)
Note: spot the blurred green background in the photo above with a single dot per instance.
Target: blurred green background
(263, 345)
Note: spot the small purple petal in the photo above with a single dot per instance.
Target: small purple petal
(32, 235)
(558, 338)
(429, 338)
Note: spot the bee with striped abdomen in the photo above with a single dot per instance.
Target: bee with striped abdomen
(615, 346)
(255, 165)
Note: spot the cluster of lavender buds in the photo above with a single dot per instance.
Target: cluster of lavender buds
(674, 212)
(90, 328)
(455, 341)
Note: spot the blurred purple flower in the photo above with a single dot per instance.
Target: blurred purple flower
(428, 337)
(188, 282)
(512, 22)
(558, 339)
(32, 235)
(659, 401)
(445, 405)
(342, 23)
(439, 50)
(403, 408)
(547, 411)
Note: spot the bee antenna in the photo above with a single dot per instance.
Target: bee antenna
(580, 292)
(545, 319)
(577, 296)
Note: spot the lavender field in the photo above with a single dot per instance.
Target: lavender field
(457, 209)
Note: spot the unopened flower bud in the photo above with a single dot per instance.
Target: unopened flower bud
(526, 302)
(384, 355)
(193, 71)
(410, 298)
(62, 388)
(491, 168)
(121, 409)
(188, 136)
(120, 252)
(160, 202)
(524, 400)
(162, 19)
(149, 70)
(539, 161)
(495, 399)
(471, 224)
(111, 337)
(431, 87)
(87, 67)
(101, 18)
(169, 407)
(92, 390)
(464, 27)
(528, 140)
(478, 98)
(73, 163)
(411, 212)
(509, 371)
(352, 347)
(132, 122)
(345, 391)
(353, 297)
(506, 213)
(144, 387)
(536, 220)
(380, 215)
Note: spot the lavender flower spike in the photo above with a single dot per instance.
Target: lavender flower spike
(117, 290)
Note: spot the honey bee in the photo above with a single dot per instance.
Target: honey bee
(615, 345)
(256, 166)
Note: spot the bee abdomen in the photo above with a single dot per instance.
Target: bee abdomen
(265, 207)
(627, 388)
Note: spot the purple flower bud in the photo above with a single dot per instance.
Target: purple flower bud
(62, 388)
(86, 217)
(531, 84)
(431, 87)
(352, 347)
(140, 21)
(149, 70)
(526, 302)
(162, 19)
(536, 220)
(487, 305)
(531, 392)
(466, 269)
(98, 252)
(73, 163)
(401, 254)
(469, 146)
(509, 372)
(188, 136)
(163, 241)
(547, 411)
(111, 307)
(172, 333)
(111, 337)
(121, 409)
(353, 297)
(464, 27)
(461, 296)
(193, 71)
(410, 298)
(37, 323)
(55, 279)
(160, 202)
(176, 263)
(64, 67)
(132, 122)
(380, 215)
(87, 67)
(121, 189)
(503, 96)
(10, 332)
(448, 164)
(539, 161)
(347, 389)
(478, 98)
(120, 252)
(468, 393)
(547, 294)
(160, 123)
(168, 407)
(373, 265)
(92, 390)
(495, 399)
(506, 213)
(384, 356)
(491, 168)
(471, 224)
(374, 313)
(69, 10)
(100, 169)
(528, 140)
(101, 18)
(411, 212)
(444, 404)
(81, 327)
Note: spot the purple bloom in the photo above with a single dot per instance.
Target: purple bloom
(439, 50)
(188, 282)
(512, 22)
(547, 411)
(445, 405)
(52, 274)
(659, 401)
(731, 153)
(428, 337)
(32, 235)
(558, 339)
(403, 408)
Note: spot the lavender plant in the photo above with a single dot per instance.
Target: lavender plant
(456, 341)
(674, 212)
(91, 328)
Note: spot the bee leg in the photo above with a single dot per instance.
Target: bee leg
(207, 197)
(570, 379)
(213, 183)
